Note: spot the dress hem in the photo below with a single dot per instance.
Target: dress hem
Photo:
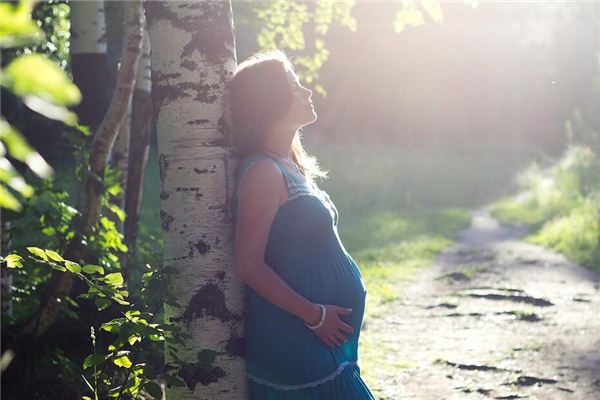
(303, 385)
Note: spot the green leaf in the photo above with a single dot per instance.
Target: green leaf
(19, 149)
(92, 360)
(16, 26)
(73, 266)
(117, 211)
(35, 75)
(134, 338)
(91, 269)
(122, 361)
(115, 279)
(43, 86)
(54, 255)
(112, 326)
(58, 267)
(13, 261)
(36, 251)
(7, 200)
(120, 300)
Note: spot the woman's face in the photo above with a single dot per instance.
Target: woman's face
(301, 111)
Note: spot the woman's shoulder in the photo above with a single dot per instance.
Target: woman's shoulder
(264, 163)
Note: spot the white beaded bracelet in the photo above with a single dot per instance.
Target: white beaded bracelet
(323, 315)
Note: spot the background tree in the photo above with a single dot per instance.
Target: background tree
(89, 59)
(139, 145)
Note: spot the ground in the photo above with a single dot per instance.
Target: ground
(493, 318)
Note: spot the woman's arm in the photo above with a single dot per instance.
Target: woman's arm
(258, 201)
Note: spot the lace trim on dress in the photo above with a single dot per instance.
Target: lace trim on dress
(303, 385)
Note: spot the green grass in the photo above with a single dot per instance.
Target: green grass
(561, 204)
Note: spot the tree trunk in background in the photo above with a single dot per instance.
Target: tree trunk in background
(139, 145)
(88, 59)
(104, 138)
(6, 277)
(119, 161)
(193, 54)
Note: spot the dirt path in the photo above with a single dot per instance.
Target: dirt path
(494, 318)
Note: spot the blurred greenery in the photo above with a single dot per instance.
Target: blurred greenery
(561, 203)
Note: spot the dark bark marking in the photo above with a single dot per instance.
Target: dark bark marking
(164, 195)
(215, 142)
(212, 37)
(208, 301)
(201, 171)
(163, 164)
(221, 275)
(189, 64)
(190, 189)
(201, 246)
(525, 380)
(165, 220)
(164, 92)
(223, 128)
(203, 371)
(235, 344)
(198, 122)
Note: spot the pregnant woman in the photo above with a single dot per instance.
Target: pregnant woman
(306, 296)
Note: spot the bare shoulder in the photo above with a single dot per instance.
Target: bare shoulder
(261, 183)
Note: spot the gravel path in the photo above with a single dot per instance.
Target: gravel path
(493, 318)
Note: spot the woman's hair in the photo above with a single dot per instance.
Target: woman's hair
(257, 95)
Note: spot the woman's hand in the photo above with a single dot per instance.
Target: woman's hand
(332, 331)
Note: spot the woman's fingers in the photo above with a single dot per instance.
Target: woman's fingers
(345, 327)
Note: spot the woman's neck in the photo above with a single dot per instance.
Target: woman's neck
(279, 142)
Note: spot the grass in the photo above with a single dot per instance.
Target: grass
(561, 204)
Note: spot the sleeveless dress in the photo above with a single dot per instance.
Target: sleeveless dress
(285, 360)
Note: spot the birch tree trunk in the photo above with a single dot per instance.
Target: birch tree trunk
(61, 282)
(88, 59)
(139, 145)
(193, 54)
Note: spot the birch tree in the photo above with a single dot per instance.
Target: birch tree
(193, 54)
(88, 59)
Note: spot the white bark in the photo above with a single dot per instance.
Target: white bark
(143, 78)
(193, 54)
(88, 28)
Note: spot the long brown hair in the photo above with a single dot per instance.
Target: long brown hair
(257, 95)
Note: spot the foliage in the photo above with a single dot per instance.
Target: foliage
(284, 26)
(561, 204)
(42, 86)
(291, 25)
(41, 235)
(115, 371)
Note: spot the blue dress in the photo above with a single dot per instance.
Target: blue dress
(285, 360)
